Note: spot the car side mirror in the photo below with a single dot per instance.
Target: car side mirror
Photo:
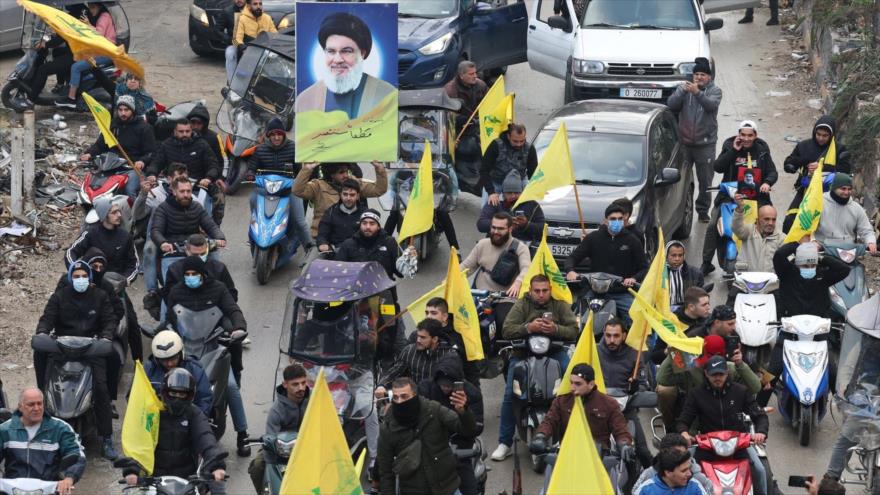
(712, 24)
(667, 177)
(559, 22)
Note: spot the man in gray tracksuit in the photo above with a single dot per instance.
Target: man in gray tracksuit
(697, 105)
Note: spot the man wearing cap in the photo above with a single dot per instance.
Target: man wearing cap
(743, 151)
(697, 102)
(508, 154)
(528, 218)
(804, 159)
(603, 414)
(681, 276)
(346, 41)
(719, 404)
(134, 135)
(844, 220)
(804, 283)
(760, 240)
(371, 243)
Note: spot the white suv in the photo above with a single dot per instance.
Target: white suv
(639, 49)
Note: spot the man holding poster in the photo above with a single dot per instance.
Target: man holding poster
(348, 113)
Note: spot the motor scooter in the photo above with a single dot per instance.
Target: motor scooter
(492, 308)
(726, 251)
(271, 248)
(205, 339)
(33, 486)
(68, 393)
(595, 299)
(630, 404)
(802, 392)
(850, 291)
(107, 179)
(755, 308)
(279, 447)
(477, 457)
(721, 458)
(196, 484)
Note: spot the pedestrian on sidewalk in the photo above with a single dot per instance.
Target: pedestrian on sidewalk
(774, 13)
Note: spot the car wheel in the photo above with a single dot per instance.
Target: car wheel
(201, 51)
(687, 221)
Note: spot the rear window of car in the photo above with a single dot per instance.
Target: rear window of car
(601, 158)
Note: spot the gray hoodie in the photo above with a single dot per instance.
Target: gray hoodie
(843, 223)
(284, 414)
(698, 114)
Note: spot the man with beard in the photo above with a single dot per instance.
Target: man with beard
(528, 218)
(697, 102)
(500, 248)
(183, 147)
(804, 159)
(344, 86)
(134, 135)
(250, 23)
(340, 222)
(843, 220)
(468, 88)
(509, 154)
(371, 243)
(324, 192)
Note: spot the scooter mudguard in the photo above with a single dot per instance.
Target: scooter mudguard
(806, 369)
(69, 389)
(726, 212)
(729, 476)
(753, 313)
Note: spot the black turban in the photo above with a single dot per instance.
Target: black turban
(345, 24)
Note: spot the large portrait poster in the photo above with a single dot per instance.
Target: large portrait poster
(346, 82)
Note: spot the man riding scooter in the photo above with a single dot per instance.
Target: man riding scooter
(168, 353)
(844, 220)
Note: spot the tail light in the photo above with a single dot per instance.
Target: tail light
(228, 143)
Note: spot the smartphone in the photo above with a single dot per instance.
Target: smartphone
(732, 344)
(799, 481)
(548, 316)
(458, 386)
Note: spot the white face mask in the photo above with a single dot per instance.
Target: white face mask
(81, 284)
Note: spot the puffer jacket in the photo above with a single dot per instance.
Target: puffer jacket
(268, 157)
(844, 222)
(207, 135)
(437, 474)
(248, 27)
(381, 248)
(173, 223)
(720, 409)
(40, 457)
(337, 224)
(756, 250)
(809, 151)
(797, 295)
(603, 415)
(211, 294)
(324, 194)
(200, 161)
(135, 136)
(87, 314)
(697, 114)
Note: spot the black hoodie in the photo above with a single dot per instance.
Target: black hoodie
(809, 151)
(449, 367)
(210, 137)
(730, 160)
(134, 135)
(210, 294)
(380, 248)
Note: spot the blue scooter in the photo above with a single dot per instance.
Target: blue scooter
(270, 214)
(726, 248)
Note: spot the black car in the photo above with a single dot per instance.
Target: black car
(210, 32)
(619, 148)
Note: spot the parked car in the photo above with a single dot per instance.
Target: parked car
(638, 49)
(208, 34)
(619, 148)
(12, 20)
(10, 26)
(434, 35)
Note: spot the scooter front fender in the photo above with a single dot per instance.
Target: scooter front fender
(268, 230)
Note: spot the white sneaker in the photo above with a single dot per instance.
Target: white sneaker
(501, 453)
(246, 341)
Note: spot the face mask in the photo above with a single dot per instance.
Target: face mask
(192, 281)
(837, 199)
(406, 413)
(615, 226)
(808, 273)
(177, 407)
(80, 284)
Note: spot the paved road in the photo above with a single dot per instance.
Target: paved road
(746, 67)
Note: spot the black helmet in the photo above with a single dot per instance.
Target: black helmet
(181, 381)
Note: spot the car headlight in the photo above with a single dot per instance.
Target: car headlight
(637, 206)
(199, 14)
(273, 186)
(437, 46)
(687, 68)
(580, 67)
(287, 21)
(19, 491)
(725, 448)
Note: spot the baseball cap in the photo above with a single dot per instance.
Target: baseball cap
(748, 124)
(716, 365)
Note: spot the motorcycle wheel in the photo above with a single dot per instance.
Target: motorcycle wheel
(687, 221)
(218, 425)
(772, 486)
(539, 464)
(237, 173)
(13, 98)
(263, 262)
(805, 425)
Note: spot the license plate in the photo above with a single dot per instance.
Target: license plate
(654, 94)
(561, 249)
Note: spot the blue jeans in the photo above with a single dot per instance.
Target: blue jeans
(508, 419)
(624, 301)
(236, 405)
(132, 185)
(151, 277)
(77, 69)
(231, 55)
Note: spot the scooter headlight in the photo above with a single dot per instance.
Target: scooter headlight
(273, 186)
(847, 255)
(284, 449)
(600, 285)
(756, 287)
(19, 491)
(539, 344)
(725, 448)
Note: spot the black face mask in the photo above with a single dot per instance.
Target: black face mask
(407, 413)
(838, 199)
(97, 276)
(177, 407)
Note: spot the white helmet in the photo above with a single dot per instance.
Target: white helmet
(167, 344)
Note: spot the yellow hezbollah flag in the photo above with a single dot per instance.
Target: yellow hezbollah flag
(321, 462)
(810, 210)
(554, 170)
(83, 40)
(544, 264)
(585, 352)
(486, 110)
(333, 137)
(140, 427)
(416, 309)
(419, 215)
(102, 118)
(461, 306)
(579, 469)
(651, 291)
(669, 329)
(830, 157)
(494, 121)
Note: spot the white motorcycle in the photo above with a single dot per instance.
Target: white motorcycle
(33, 486)
(755, 308)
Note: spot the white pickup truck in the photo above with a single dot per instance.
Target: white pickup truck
(640, 49)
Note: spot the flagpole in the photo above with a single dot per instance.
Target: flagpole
(577, 201)
(469, 120)
(639, 355)
(392, 320)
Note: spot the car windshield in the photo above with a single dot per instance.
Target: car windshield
(641, 14)
(423, 8)
(602, 159)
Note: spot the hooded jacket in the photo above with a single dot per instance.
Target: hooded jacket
(720, 409)
(214, 268)
(248, 27)
(99, 282)
(182, 440)
(603, 415)
(200, 161)
(323, 194)
(656, 486)
(174, 223)
(697, 114)
(145, 103)
(809, 151)
(135, 135)
(618, 365)
(204, 397)
(797, 295)
(210, 294)
(337, 224)
(844, 222)
(730, 160)
(380, 248)
(268, 157)
(207, 135)
(284, 415)
(71, 313)
(449, 367)
(40, 457)
(117, 246)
